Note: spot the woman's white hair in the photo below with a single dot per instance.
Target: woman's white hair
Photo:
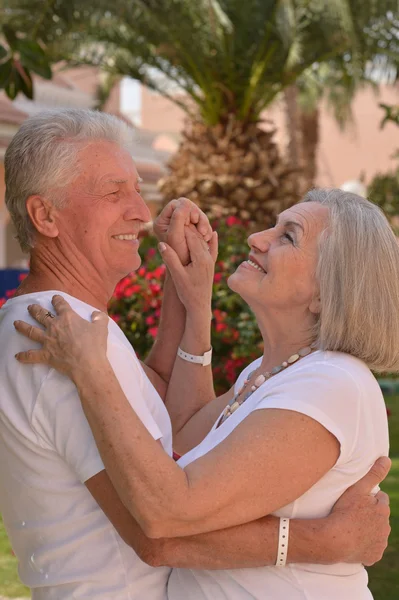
(42, 158)
(358, 275)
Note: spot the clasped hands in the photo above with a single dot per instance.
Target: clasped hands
(189, 249)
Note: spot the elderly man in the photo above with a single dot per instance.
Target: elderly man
(73, 193)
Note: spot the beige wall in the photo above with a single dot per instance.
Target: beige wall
(342, 155)
(160, 114)
(363, 147)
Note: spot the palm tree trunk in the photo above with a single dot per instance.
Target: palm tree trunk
(310, 136)
(293, 125)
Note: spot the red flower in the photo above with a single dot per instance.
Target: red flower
(153, 331)
(155, 288)
(10, 293)
(131, 290)
(217, 278)
(141, 271)
(219, 315)
(2, 301)
(116, 318)
(232, 220)
(159, 271)
(150, 320)
(22, 276)
(151, 252)
(220, 327)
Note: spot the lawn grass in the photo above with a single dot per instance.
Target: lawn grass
(10, 584)
(384, 577)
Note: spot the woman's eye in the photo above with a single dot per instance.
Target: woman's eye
(289, 237)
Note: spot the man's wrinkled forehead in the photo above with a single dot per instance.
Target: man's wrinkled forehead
(106, 162)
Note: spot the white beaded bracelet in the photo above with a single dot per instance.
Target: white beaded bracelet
(283, 534)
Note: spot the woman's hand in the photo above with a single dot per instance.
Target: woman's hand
(169, 226)
(193, 282)
(69, 343)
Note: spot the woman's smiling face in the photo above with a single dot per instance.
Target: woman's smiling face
(280, 274)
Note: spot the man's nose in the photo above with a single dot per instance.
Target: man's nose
(137, 209)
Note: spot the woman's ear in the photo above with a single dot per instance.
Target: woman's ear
(41, 213)
(315, 305)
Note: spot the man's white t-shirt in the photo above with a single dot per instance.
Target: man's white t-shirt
(341, 393)
(65, 545)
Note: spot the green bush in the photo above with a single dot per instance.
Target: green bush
(384, 191)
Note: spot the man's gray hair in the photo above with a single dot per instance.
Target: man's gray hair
(358, 275)
(42, 158)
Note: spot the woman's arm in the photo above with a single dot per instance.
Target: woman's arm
(262, 460)
(170, 227)
(257, 469)
(190, 395)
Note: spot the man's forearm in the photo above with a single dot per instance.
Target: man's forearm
(170, 331)
(245, 546)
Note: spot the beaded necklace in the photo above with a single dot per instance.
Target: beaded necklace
(235, 403)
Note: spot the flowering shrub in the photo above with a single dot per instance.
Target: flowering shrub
(136, 305)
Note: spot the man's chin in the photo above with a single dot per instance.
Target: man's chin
(129, 268)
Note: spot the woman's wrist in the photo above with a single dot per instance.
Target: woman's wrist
(198, 320)
(90, 370)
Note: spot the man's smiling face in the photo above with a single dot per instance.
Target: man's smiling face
(104, 210)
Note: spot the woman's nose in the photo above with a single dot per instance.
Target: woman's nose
(260, 241)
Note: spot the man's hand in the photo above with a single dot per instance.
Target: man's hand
(170, 225)
(360, 519)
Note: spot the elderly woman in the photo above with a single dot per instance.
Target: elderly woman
(303, 423)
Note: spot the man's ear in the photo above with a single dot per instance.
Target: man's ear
(42, 215)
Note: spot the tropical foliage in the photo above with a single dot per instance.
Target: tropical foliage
(231, 59)
(384, 188)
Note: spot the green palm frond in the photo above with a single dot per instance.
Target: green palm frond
(228, 56)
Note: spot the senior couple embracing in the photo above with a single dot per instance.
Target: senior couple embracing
(274, 494)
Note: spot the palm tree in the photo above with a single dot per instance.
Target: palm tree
(223, 62)
(336, 82)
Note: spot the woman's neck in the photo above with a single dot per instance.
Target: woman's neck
(283, 337)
